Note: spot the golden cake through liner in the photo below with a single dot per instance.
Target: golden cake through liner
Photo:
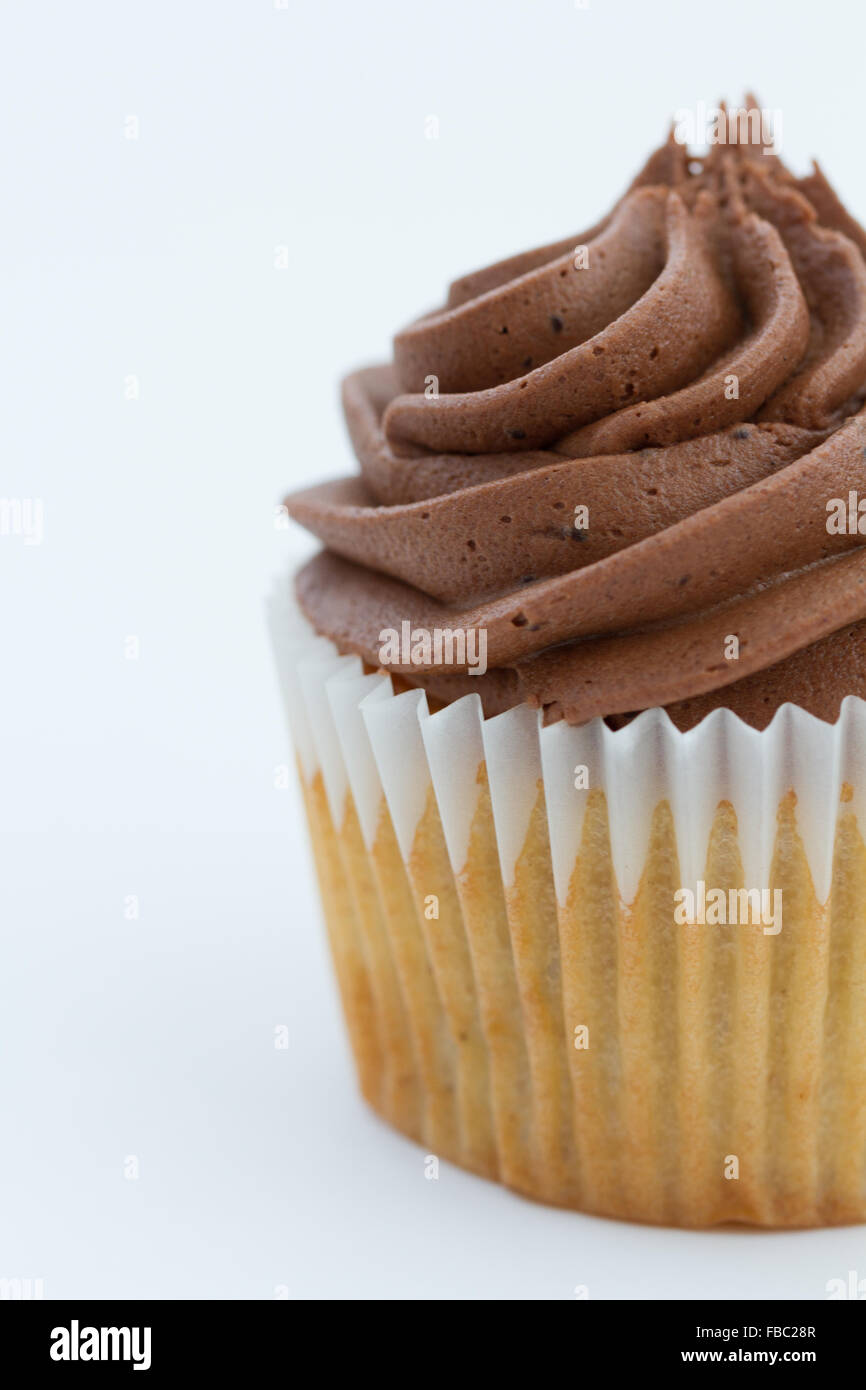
(705, 1044)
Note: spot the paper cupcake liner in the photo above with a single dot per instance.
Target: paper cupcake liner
(521, 992)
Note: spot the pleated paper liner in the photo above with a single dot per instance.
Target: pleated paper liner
(519, 993)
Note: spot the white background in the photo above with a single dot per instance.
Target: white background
(263, 127)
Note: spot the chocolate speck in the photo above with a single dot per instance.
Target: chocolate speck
(742, 433)
(556, 323)
(516, 434)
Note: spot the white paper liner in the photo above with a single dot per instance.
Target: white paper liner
(454, 750)
(348, 699)
(514, 771)
(394, 730)
(364, 737)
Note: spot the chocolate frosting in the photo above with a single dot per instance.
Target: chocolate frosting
(692, 372)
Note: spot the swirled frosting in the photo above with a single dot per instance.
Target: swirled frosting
(619, 452)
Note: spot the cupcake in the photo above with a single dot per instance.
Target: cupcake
(577, 688)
